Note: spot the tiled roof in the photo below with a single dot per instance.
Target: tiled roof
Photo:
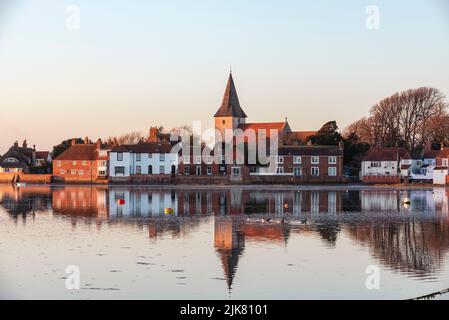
(387, 154)
(430, 154)
(42, 154)
(266, 126)
(300, 135)
(230, 106)
(443, 153)
(310, 151)
(79, 152)
(144, 147)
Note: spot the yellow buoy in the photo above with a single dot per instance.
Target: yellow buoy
(168, 211)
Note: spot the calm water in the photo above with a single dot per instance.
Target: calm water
(219, 244)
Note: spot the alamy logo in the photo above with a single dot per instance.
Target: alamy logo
(73, 18)
(72, 281)
(373, 19)
(372, 282)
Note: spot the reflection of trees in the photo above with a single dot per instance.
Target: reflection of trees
(329, 232)
(22, 201)
(408, 246)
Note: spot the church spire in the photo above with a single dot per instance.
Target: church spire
(230, 106)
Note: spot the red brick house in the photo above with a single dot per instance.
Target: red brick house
(82, 163)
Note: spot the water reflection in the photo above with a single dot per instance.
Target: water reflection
(408, 238)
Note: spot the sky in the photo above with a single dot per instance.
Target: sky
(134, 64)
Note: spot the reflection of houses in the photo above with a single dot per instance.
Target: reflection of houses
(241, 201)
(141, 203)
(25, 200)
(81, 201)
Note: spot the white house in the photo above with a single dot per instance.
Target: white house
(387, 163)
(425, 171)
(145, 158)
(440, 172)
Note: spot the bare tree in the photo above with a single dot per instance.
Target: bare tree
(407, 118)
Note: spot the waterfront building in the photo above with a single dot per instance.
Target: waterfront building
(23, 160)
(85, 163)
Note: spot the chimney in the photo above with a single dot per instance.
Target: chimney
(34, 147)
(24, 144)
(154, 132)
(98, 144)
(86, 140)
(73, 141)
(16, 143)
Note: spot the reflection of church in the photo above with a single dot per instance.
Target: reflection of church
(231, 234)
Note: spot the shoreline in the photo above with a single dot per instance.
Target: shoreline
(312, 187)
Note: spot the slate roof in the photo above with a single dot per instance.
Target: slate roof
(310, 151)
(144, 147)
(387, 154)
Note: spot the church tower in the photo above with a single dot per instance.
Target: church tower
(230, 115)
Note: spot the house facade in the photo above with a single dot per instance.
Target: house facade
(82, 163)
(143, 162)
(440, 172)
(23, 160)
(387, 165)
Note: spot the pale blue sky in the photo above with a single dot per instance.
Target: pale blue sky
(134, 64)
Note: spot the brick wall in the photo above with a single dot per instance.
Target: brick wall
(381, 179)
(75, 171)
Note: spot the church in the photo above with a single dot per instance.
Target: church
(296, 160)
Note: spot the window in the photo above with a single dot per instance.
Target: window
(297, 171)
(236, 171)
(119, 171)
(161, 170)
(315, 171)
(279, 159)
(332, 171)
(297, 160)
(120, 156)
(375, 164)
(74, 163)
(332, 160)
(150, 156)
(315, 160)
(150, 169)
(162, 157)
(186, 159)
(138, 157)
(138, 169)
(280, 170)
(73, 171)
(81, 172)
(197, 159)
(102, 173)
(186, 170)
(198, 170)
(62, 171)
(58, 163)
(84, 163)
(209, 171)
(445, 162)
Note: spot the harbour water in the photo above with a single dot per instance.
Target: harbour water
(224, 243)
